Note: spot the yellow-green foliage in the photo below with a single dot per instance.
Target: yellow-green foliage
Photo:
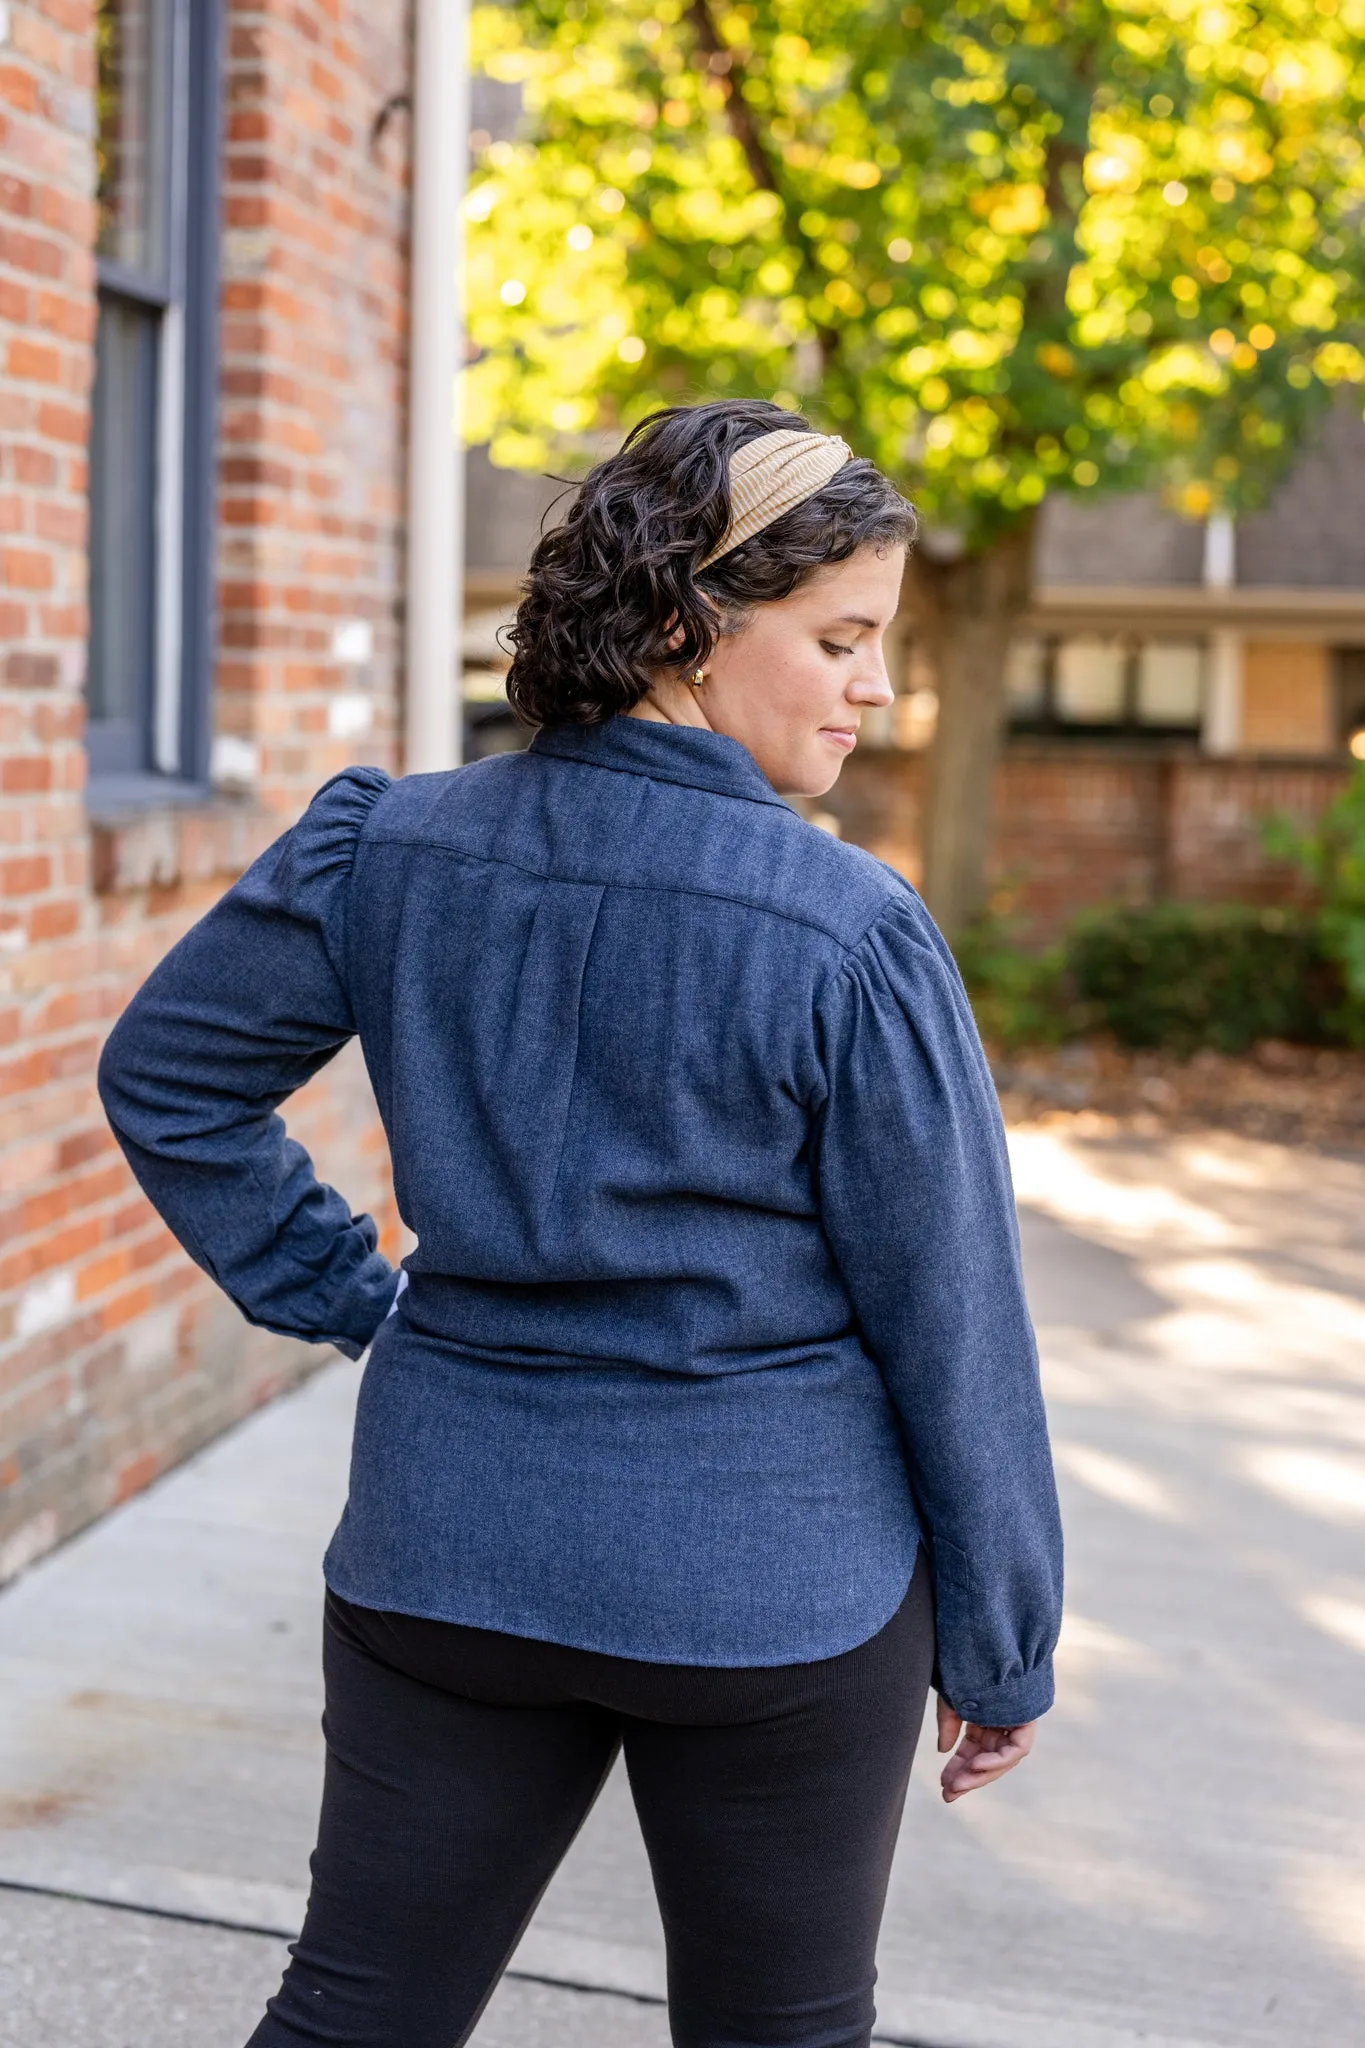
(1008, 246)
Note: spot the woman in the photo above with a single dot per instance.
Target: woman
(709, 1395)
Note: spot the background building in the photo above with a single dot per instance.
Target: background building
(1174, 684)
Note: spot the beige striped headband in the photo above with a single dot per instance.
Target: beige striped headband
(771, 474)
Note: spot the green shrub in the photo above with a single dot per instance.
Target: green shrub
(1184, 976)
(1332, 856)
(1019, 997)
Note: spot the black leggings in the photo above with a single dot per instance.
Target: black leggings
(461, 1763)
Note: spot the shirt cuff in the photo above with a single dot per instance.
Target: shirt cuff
(1026, 1698)
(348, 1347)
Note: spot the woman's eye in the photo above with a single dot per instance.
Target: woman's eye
(833, 647)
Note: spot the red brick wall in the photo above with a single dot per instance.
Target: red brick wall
(314, 343)
(53, 1177)
(1079, 826)
(116, 1356)
(1216, 814)
(1073, 833)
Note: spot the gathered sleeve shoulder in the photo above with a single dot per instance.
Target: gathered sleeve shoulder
(306, 873)
(916, 1199)
(249, 1005)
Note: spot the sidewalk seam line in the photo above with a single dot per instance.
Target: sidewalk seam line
(186, 1919)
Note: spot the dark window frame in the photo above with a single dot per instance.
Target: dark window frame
(161, 753)
(1348, 695)
(1048, 723)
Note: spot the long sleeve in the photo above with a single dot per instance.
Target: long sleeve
(249, 1005)
(916, 1199)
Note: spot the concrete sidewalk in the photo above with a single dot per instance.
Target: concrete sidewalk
(1181, 1865)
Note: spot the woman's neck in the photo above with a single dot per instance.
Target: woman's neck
(672, 702)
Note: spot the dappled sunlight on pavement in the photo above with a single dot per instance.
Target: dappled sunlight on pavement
(1184, 1860)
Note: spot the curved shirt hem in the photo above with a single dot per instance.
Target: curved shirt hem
(587, 1639)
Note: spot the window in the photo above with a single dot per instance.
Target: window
(151, 445)
(1088, 684)
(1095, 684)
(1026, 680)
(1348, 664)
(1170, 684)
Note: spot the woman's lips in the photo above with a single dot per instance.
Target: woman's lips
(845, 736)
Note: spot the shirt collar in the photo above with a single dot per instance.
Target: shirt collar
(665, 753)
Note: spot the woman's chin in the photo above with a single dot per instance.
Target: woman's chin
(808, 771)
(812, 783)
(824, 768)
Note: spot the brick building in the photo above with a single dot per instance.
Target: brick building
(203, 208)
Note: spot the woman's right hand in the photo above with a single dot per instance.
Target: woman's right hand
(980, 1755)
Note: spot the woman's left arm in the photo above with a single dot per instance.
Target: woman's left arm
(249, 1005)
(916, 1200)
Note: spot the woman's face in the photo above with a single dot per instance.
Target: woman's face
(793, 683)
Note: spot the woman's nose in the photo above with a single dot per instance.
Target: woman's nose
(873, 686)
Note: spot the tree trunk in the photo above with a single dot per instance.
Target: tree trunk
(966, 613)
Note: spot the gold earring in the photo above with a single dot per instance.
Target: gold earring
(697, 678)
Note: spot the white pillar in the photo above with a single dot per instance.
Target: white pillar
(1220, 552)
(435, 508)
(1223, 698)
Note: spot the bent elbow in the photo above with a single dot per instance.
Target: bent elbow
(116, 1076)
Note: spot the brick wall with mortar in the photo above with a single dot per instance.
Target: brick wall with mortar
(116, 1356)
(1076, 826)
(313, 346)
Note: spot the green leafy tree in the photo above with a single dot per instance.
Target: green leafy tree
(1005, 248)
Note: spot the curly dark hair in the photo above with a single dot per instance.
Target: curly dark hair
(608, 588)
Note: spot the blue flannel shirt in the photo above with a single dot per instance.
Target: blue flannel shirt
(716, 1310)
